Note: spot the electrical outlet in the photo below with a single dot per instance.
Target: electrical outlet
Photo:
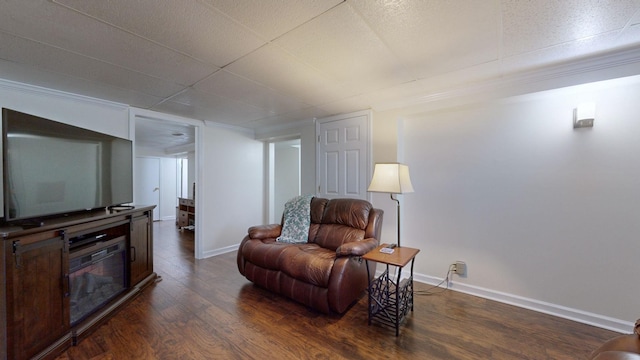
(460, 268)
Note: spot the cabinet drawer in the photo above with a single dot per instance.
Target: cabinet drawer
(183, 219)
(187, 202)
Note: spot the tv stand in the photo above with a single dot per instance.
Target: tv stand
(35, 284)
(28, 224)
(120, 208)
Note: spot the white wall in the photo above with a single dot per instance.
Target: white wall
(308, 159)
(102, 116)
(230, 194)
(546, 216)
(384, 149)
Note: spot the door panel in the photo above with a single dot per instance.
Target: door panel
(141, 249)
(352, 180)
(38, 289)
(148, 183)
(332, 173)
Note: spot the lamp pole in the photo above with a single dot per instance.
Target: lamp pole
(398, 216)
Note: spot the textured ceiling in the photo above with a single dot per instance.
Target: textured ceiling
(168, 137)
(269, 62)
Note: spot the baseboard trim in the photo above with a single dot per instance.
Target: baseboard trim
(220, 251)
(564, 312)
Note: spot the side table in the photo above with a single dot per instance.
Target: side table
(390, 300)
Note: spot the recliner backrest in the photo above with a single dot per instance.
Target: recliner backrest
(338, 221)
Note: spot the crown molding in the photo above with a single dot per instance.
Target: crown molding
(276, 131)
(148, 114)
(180, 149)
(42, 91)
(601, 67)
(235, 128)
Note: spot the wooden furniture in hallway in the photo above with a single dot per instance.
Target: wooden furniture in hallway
(186, 216)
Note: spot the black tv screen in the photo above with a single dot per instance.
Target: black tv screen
(51, 168)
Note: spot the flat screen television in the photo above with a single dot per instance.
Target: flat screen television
(51, 168)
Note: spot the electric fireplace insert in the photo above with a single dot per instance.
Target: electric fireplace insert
(97, 274)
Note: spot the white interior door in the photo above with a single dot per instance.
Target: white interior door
(148, 183)
(343, 156)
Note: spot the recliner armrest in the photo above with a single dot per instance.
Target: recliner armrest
(265, 231)
(622, 347)
(357, 248)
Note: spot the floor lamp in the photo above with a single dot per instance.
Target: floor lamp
(392, 178)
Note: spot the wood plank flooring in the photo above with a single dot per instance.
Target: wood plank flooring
(204, 309)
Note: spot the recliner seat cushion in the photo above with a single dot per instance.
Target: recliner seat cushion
(309, 263)
(264, 253)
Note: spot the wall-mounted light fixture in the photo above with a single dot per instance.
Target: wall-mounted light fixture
(584, 115)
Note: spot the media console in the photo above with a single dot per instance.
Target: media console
(62, 279)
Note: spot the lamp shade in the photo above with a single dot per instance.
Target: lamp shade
(391, 178)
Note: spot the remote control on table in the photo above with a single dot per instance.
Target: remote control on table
(388, 249)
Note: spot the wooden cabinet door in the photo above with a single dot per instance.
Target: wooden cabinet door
(141, 253)
(37, 295)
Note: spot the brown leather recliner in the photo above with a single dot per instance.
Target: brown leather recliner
(327, 273)
(624, 347)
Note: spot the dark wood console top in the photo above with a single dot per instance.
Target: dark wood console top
(10, 231)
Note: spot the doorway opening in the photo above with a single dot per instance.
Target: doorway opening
(284, 176)
(169, 145)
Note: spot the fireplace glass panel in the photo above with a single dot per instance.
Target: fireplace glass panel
(97, 276)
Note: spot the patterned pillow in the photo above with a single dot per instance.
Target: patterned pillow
(297, 219)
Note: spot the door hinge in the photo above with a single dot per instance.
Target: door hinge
(318, 138)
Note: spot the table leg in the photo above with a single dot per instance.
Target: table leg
(398, 301)
(411, 284)
(368, 291)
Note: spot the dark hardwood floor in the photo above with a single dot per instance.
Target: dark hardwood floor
(204, 309)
